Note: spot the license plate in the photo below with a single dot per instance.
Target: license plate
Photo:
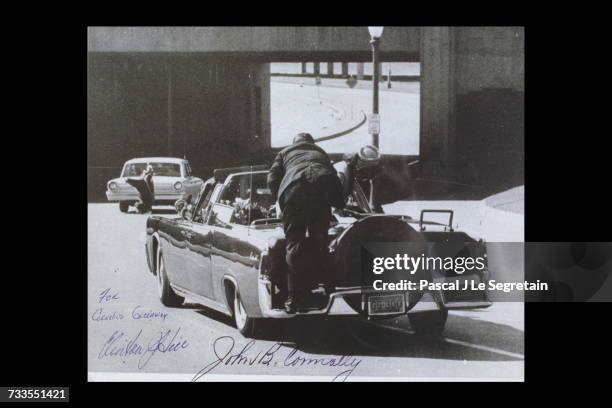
(386, 304)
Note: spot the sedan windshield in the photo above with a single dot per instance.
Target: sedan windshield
(159, 169)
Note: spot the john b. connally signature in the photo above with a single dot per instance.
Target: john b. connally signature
(273, 356)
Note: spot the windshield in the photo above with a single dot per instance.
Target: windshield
(159, 169)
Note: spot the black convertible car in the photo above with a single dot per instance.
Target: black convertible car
(226, 252)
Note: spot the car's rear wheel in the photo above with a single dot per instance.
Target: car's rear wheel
(124, 206)
(166, 294)
(244, 323)
(428, 323)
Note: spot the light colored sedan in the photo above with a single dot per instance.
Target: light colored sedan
(172, 180)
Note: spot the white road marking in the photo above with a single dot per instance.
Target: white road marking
(458, 342)
(485, 348)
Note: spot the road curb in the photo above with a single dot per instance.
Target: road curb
(337, 134)
(344, 132)
(504, 219)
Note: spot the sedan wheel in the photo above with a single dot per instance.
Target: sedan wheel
(124, 206)
(244, 323)
(166, 294)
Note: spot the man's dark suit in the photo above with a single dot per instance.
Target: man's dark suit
(307, 186)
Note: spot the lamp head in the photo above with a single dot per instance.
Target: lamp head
(375, 32)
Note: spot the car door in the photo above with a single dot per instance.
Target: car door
(175, 251)
(179, 254)
(233, 255)
(236, 258)
(199, 241)
(198, 260)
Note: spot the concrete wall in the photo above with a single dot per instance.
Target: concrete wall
(472, 104)
(437, 93)
(279, 42)
(215, 113)
(489, 57)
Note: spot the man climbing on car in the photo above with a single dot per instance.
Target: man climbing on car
(306, 186)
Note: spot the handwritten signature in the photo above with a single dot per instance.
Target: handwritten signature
(247, 356)
(138, 313)
(107, 296)
(121, 345)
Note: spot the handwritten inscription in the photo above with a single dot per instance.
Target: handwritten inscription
(223, 349)
(121, 345)
(107, 296)
(100, 315)
(139, 312)
(141, 347)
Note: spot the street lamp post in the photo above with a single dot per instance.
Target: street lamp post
(375, 34)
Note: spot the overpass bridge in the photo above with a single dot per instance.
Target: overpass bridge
(263, 44)
(205, 92)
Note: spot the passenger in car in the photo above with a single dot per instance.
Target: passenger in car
(355, 165)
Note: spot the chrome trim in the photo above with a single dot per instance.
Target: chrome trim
(211, 304)
(336, 305)
(112, 196)
(467, 305)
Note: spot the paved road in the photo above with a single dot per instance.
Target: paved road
(296, 107)
(486, 344)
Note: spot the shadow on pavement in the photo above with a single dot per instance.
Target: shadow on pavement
(485, 340)
(212, 314)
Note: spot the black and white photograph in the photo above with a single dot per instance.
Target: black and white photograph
(263, 203)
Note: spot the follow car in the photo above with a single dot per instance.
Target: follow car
(227, 252)
(172, 180)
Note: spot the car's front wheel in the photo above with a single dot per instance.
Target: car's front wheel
(124, 206)
(244, 323)
(166, 294)
(428, 323)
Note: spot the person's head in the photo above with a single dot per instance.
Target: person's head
(367, 156)
(303, 138)
(149, 169)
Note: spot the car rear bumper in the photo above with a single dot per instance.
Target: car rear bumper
(338, 306)
(118, 196)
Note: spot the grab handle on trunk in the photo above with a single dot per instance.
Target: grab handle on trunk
(450, 218)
